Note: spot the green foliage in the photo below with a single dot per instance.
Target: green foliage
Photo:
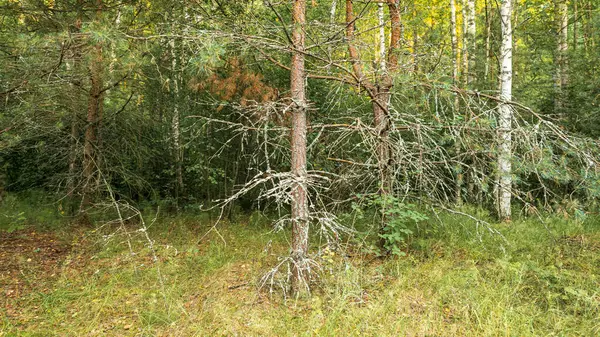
(395, 221)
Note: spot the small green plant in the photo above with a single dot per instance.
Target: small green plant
(396, 217)
(15, 222)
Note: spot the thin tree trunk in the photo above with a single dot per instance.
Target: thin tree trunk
(464, 50)
(505, 114)
(382, 53)
(300, 216)
(471, 42)
(575, 23)
(454, 42)
(488, 35)
(332, 12)
(94, 118)
(471, 36)
(561, 76)
(175, 122)
(380, 94)
(455, 81)
(415, 43)
(76, 62)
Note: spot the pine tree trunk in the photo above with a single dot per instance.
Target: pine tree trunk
(300, 216)
(505, 114)
(94, 118)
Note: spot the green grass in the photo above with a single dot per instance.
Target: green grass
(456, 280)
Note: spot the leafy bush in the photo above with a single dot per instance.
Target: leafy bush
(396, 218)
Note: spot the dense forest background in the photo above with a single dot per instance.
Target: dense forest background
(183, 103)
(403, 150)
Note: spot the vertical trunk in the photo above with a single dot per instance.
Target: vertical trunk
(465, 54)
(561, 78)
(94, 118)
(300, 217)
(575, 23)
(455, 81)
(471, 42)
(589, 27)
(415, 44)
(175, 123)
(454, 43)
(380, 108)
(71, 183)
(380, 93)
(505, 114)
(380, 115)
(332, 12)
(71, 180)
(382, 53)
(488, 35)
(471, 35)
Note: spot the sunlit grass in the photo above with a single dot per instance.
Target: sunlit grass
(456, 280)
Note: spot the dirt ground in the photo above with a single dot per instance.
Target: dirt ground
(29, 260)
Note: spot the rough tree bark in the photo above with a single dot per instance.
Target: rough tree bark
(505, 113)
(94, 118)
(380, 90)
(300, 217)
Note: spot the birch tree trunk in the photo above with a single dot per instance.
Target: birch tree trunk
(381, 37)
(175, 124)
(561, 76)
(300, 220)
(332, 12)
(471, 43)
(488, 35)
(505, 114)
(464, 51)
(458, 180)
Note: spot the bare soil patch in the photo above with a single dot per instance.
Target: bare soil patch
(28, 260)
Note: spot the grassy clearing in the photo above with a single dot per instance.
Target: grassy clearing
(456, 280)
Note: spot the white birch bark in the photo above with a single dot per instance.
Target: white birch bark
(455, 81)
(175, 122)
(488, 34)
(382, 52)
(561, 76)
(332, 12)
(471, 43)
(505, 113)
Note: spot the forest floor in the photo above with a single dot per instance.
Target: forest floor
(455, 280)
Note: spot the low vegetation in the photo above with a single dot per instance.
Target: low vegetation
(455, 278)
